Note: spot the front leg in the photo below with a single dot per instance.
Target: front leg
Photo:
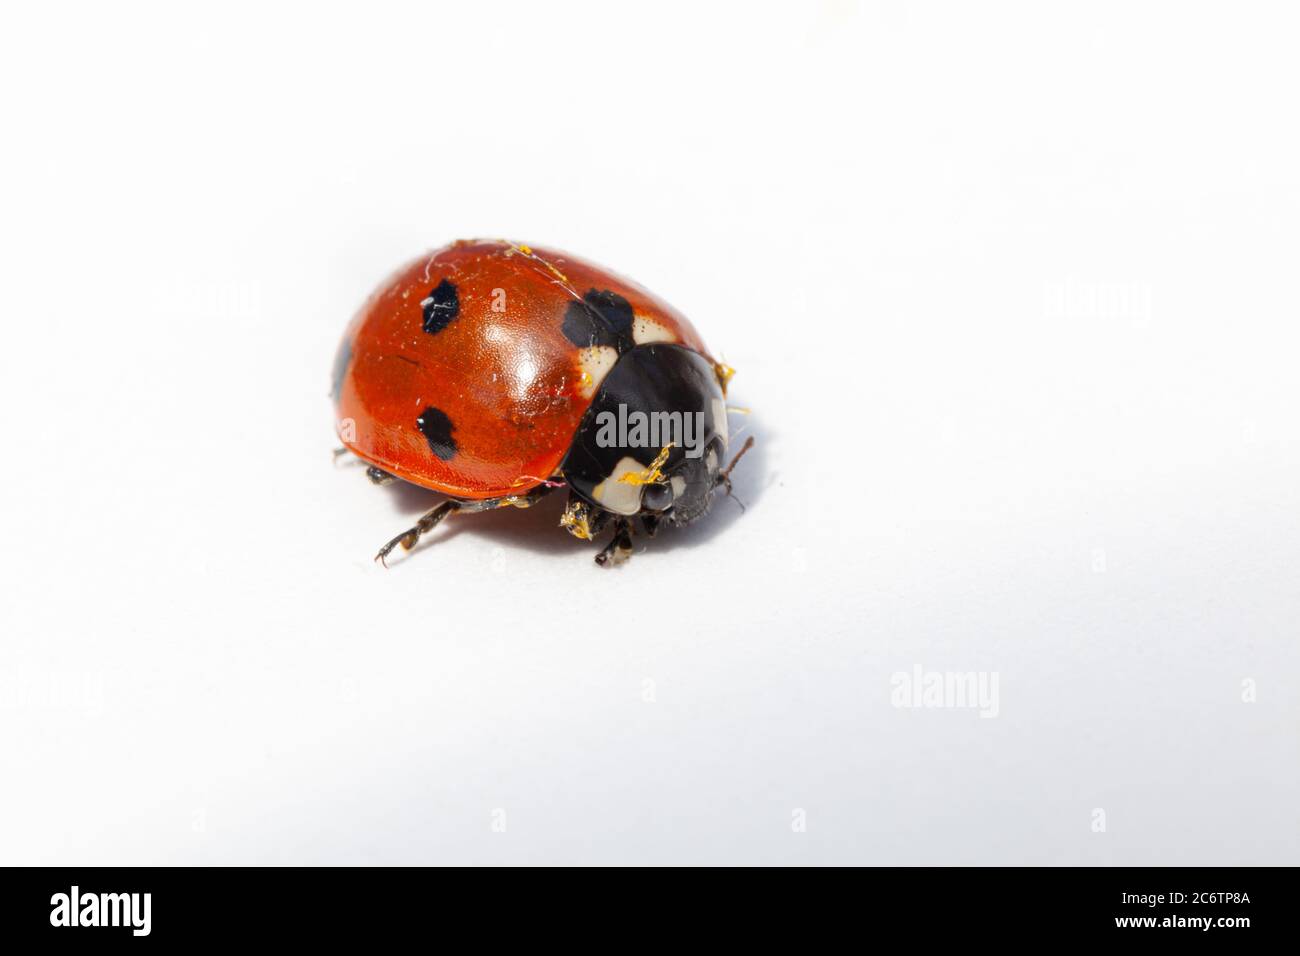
(619, 548)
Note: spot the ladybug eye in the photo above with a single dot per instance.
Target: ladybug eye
(657, 497)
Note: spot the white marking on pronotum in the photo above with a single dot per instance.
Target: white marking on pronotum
(646, 331)
(679, 486)
(595, 363)
(616, 495)
(720, 420)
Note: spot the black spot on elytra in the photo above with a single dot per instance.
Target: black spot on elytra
(601, 318)
(341, 360)
(442, 305)
(436, 428)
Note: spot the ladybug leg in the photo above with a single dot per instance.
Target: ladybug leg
(379, 476)
(428, 521)
(432, 518)
(619, 548)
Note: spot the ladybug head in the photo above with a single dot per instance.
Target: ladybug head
(652, 442)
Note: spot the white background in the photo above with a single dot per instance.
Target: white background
(1012, 294)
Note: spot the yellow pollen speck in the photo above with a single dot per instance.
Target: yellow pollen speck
(651, 475)
(513, 501)
(574, 520)
(528, 251)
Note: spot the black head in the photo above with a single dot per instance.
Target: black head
(653, 439)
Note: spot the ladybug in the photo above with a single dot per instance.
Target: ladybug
(496, 372)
